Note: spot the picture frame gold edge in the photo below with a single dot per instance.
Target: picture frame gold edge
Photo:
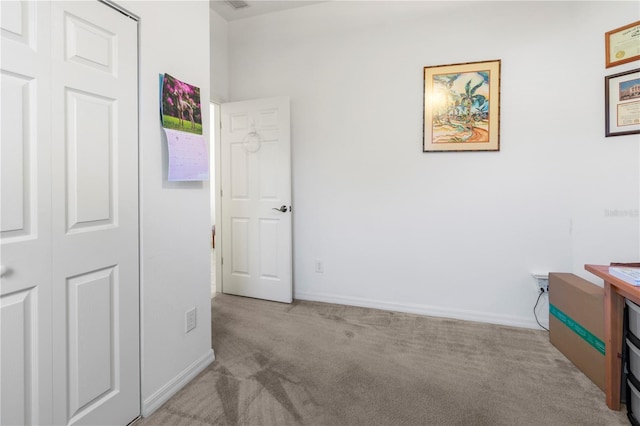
(607, 47)
(498, 145)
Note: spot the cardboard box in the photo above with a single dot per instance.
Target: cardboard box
(576, 323)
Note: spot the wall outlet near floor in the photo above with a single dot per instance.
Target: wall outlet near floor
(190, 320)
(542, 281)
(319, 266)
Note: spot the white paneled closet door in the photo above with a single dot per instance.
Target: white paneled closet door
(95, 215)
(70, 292)
(25, 214)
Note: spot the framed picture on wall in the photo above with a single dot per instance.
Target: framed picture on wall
(622, 45)
(622, 103)
(462, 107)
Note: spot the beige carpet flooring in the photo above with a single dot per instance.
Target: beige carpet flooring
(321, 364)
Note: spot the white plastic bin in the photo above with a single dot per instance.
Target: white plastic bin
(634, 405)
(634, 359)
(634, 318)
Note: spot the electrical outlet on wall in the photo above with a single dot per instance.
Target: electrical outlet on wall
(543, 284)
(190, 320)
(542, 281)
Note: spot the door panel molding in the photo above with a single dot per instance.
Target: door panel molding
(18, 168)
(92, 334)
(19, 319)
(91, 163)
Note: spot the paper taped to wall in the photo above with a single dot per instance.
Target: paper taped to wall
(188, 156)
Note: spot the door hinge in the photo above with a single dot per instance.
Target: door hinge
(221, 192)
(222, 260)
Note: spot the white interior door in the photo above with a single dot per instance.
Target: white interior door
(256, 199)
(69, 225)
(25, 216)
(95, 215)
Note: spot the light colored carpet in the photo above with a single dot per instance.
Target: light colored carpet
(321, 364)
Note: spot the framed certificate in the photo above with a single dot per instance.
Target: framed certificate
(622, 103)
(622, 45)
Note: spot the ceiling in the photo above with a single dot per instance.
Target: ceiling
(256, 7)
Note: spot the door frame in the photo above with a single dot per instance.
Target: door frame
(217, 172)
(115, 6)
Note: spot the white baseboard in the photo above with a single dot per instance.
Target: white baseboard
(432, 311)
(163, 394)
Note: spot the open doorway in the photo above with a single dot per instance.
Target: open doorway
(215, 135)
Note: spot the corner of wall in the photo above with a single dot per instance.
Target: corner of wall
(174, 217)
(219, 45)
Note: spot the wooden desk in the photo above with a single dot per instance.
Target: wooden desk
(615, 291)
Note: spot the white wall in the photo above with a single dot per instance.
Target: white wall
(175, 225)
(219, 44)
(451, 234)
(212, 161)
(219, 41)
